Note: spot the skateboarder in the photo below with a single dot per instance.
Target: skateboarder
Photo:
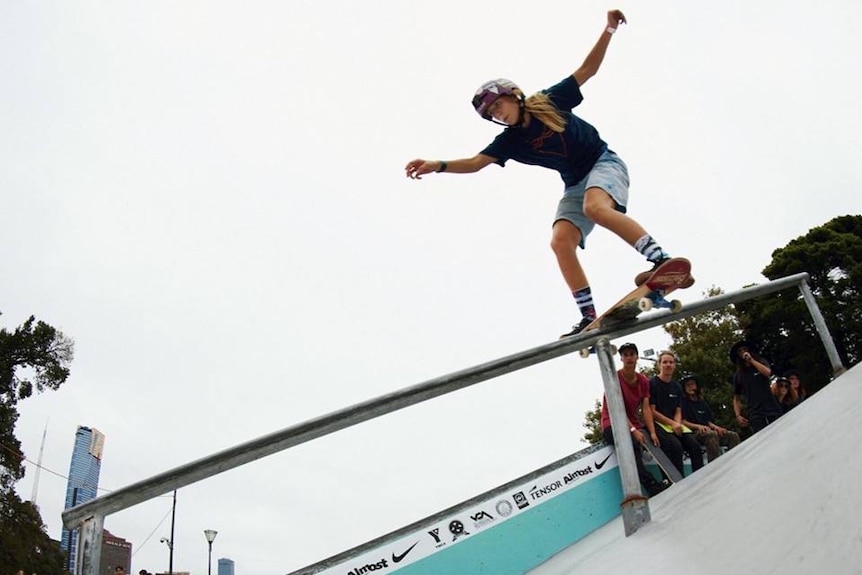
(541, 130)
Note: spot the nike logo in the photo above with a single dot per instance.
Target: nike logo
(602, 464)
(399, 558)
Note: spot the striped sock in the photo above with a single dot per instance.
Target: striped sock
(650, 248)
(584, 299)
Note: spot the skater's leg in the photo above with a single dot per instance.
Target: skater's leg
(601, 208)
(565, 239)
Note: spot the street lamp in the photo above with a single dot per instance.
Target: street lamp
(210, 534)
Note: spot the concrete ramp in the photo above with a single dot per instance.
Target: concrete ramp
(788, 500)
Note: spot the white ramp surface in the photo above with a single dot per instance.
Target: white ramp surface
(788, 501)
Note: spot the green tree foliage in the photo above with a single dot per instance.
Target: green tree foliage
(832, 256)
(35, 356)
(593, 423)
(23, 542)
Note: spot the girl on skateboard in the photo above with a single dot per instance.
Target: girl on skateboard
(542, 131)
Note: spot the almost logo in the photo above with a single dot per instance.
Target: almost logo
(369, 567)
(578, 473)
(399, 558)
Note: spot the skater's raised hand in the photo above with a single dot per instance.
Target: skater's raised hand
(615, 18)
(417, 168)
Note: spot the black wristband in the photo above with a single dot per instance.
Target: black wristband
(442, 166)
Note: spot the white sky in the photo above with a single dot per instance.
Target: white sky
(209, 198)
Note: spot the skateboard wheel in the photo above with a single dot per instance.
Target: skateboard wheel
(584, 353)
(645, 304)
(675, 305)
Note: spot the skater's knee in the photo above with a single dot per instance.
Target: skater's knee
(599, 206)
(565, 237)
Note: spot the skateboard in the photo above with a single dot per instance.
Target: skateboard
(669, 276)
(660, 458)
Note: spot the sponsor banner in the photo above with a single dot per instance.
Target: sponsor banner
(478, 517)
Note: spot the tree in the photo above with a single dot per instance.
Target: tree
(593, 423)
(35, 356)
(832, 256)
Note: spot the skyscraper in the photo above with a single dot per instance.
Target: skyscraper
(225, 566)
(83, 480)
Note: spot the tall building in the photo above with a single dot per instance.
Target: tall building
(225, 566)
(83, 481)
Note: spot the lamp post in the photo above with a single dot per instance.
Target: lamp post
(170, 545)
(210, 534)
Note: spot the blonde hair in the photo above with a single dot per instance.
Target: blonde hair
(540, 106)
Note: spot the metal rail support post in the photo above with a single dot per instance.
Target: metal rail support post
(635, 507)
(822, 330)
(90, 545)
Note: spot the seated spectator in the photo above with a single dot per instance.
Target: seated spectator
(796, 385)
(635, 390)
(697, 415)
(784, 394)
(666, 405)
(751, 383)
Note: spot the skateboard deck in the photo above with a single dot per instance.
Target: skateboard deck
(660, 458)
(668, 277)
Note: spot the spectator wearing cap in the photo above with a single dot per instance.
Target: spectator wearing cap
(796, 385)
(666, 405)
(784, 394)
(635, 390)
(697, 415)
(751, 384)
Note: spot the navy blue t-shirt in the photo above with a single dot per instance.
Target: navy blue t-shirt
(572, 153)
(666, 396)
(757, 390)
(696, 411)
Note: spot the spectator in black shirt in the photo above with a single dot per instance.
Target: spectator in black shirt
(666, 403)
(751, 382)
(697, 416)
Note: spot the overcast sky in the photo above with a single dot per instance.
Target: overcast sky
(209, 198)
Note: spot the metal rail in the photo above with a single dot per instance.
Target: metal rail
(255, 449)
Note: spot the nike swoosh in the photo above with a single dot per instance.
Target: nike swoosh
(602, 464)
(399, 558)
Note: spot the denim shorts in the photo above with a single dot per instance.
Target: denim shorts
(610, 174)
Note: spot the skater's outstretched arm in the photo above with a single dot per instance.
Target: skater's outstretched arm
(417, 168)
(594, 59)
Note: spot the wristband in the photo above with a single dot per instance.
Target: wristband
(611, 30)
(442, 166)
(633, 429)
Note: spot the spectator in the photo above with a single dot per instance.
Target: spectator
(784, 394)
(635, 390)
(666, 406)
(796, 385)
(697, 415)
(751, 383)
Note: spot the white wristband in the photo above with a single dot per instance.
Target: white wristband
(611, 30)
